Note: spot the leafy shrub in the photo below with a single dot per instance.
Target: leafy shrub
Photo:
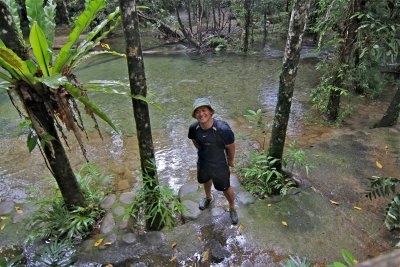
(295, 157)
(217, 42)
(382, 187)
(262, 178)
(53, 220)
(155, 203)
(58, 253)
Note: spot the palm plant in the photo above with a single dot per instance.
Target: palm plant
(45, 84)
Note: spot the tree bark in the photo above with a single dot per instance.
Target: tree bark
(62, 13)
(246, 32)
(287, 79)
(137, 79)
(392, 113)
(42, 120)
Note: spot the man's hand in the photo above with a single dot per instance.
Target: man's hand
(230, 153)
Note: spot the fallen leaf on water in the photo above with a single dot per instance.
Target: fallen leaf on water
(4, 217)
(98, 242)
(269, 205)
(107, 244)
(18, 210)
(316, 155)
(334, 202)
(109, 265)
(357, 208)
(173, 245)
(104, 45)
(378, 164)
(173, 258)
(240, 229)
(284, 223)
(2, 226)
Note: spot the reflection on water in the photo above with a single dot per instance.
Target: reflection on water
(233, 83)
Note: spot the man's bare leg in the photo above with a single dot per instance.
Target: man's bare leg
(230, 196)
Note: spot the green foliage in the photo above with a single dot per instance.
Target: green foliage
(296, 261)
(58, 253)
(217, 42)
(53, 220)
(262, 178)
(259, 126)
(383, 187)
(155, 201)
(348, 258)
(295, 157)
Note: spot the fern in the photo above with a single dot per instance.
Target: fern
(382, 187)
(392, 218)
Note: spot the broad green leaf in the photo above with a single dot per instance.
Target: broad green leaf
(35, 12)
(75, 64)
(6, 78)
(76, 93)
(101, 25)
(50, 14)
(40, 48)
(348, 257)
(13, 6)
(82, 23)
(16, 66)
(31, 141)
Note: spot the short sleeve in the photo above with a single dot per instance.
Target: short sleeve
(192, 130)
(226, 133)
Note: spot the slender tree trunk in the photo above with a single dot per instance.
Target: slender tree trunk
(265, 32)
(348, 34)
(62, 13)
(247, 21)
(287, 78)
(183, 30)
(189, 16)
(214, 15)
(392, 113)
(42, 122)
(137, 79)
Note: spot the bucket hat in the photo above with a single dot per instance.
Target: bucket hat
(201, 102)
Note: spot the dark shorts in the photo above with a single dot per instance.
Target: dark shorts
(219, 176)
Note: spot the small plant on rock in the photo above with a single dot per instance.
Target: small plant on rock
(383, 187)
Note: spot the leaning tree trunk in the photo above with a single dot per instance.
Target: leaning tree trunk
(287, 78)
(137, 79)
(42, 122)
(392, 113)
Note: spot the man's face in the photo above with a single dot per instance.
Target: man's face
(203, 114)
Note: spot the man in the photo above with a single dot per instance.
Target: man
(215, 143)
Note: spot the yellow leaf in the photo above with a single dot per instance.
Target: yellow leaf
(173, 245)
(204, 256)
(4, 217)
(104, 45)
(334, 202)
(317, 155)
(173, 258)
(240, 229)
(269, 205)
(98, 242)
(107, 244)
(18, 210)
(284, 223)
(357, 208)
(109, 265)
(2, 226)
(378, 164)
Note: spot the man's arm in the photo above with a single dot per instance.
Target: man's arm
(230, 153)
(195, 143)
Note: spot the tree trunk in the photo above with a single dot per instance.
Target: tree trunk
(62, 13)
(287, 78)
(189, 16)
(183, 30)
(42, 120)
(138, 86)
(161, 26)
(343, 52)
(392, 113)
(265, 32)
(246, 32)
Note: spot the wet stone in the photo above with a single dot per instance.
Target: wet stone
(6, 207)
(154, 238)
(187, 189)
(129, 238)
(109, 240)
(123, 185)
(108, 223)
(234, 181)
(123, 224)
(192, 211)
(127, 197)
(218, 252)
(246, 198)
(108, 201)
(119, 210)
(247, 263)
(217, 212)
